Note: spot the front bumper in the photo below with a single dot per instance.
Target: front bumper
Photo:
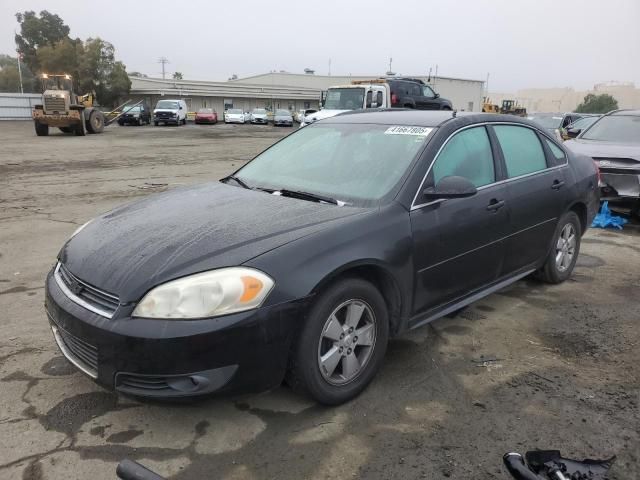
(262, 121)
(175, 120)
(243, 352)
(284, 123)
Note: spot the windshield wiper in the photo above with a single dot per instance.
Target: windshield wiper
(307, 196)
(238, 181)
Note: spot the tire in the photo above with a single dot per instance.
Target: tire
(79, 130)
(335, 386)
(564, 250)
(155, 124)
(42, 130)
(96, 122)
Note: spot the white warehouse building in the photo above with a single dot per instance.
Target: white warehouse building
(288, 91)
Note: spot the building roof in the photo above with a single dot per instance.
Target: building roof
(438, 77)
(158, 86)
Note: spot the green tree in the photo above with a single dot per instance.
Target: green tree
(61, 57)
(597, 104)
(47, 29)
(177, 75)
(10, 77)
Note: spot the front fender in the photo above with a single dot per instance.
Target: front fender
(381, 238)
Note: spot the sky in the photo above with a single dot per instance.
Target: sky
(518, 43)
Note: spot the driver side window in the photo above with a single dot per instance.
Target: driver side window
(428, 92)
(467, 154)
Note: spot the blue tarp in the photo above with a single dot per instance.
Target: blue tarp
(604, 219)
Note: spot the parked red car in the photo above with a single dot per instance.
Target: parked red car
(206, 115)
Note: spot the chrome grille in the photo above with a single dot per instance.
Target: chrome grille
(82, 354)
(86, 295)
(54, 104)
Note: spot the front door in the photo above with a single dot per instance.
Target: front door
(459, 243)
(428, 99)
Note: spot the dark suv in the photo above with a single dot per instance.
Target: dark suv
(414, 93)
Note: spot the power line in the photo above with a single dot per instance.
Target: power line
(163, 61)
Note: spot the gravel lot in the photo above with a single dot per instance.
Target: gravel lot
(533, 366)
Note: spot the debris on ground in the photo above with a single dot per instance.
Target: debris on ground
(604, 219)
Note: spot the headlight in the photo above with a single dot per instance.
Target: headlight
(208, 294)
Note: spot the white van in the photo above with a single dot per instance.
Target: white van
(170, 111)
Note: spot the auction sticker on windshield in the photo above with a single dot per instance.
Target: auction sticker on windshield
(405, 130)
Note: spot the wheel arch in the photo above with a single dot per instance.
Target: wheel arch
(580, 209)
(381, 277)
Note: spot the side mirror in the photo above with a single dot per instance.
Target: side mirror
(573, 132)
(451, 187)
(437, 95)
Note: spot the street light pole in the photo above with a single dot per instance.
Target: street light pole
(20, 72)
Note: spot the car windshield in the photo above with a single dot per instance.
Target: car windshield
(235, 111)
(259, 111)
(547, 121)
(584, 122)
(205, 110)
(344, 98)
(167, 104)
(615, 128)
(356, 164)
(283, 113)
(132, 109)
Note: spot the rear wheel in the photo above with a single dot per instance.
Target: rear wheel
(564, 251)
(342, 344)
(79, 130)
(42, 130)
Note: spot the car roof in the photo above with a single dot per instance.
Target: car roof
(421, 118)
(629, 112)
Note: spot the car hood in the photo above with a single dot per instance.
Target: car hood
(259, 115)
(137, 246)
(283, 117)
(313, 117)
(596, 149)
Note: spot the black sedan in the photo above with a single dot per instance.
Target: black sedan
(305, 261)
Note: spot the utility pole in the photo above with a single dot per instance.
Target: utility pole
(19, 66)
(329, 67)
(163, 61)
(20, 71)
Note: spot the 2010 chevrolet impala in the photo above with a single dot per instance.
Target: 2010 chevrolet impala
(305, 261)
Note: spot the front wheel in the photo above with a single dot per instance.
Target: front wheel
(42, 130)
(342, 344)
(564, 250)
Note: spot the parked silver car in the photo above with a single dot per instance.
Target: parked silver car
(283, 118)
(259, 115)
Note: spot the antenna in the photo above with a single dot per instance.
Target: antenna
(390, 72)
(163, 61)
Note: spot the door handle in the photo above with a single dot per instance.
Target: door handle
(495, 205)
(557, 184)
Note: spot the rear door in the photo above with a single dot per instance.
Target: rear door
(537, 193)
(458, 243)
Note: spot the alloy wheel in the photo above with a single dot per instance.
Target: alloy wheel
(347, 342)
(565, 247)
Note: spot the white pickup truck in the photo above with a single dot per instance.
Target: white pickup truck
(359, 95)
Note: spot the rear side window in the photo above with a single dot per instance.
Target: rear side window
(467, 154)
(557, 152)
(522, 150)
